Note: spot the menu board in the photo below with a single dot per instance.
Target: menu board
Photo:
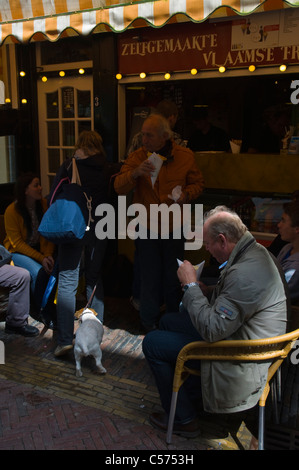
(265, 30)
(289, 27)
(256, 31)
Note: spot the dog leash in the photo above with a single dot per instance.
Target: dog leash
(91, 297)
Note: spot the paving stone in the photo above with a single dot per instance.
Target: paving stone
(44, 406)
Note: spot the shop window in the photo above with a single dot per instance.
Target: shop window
(254, 110)
(52, 105)
(53, 159)
(53, 133)
(68, 133)
(84, 103)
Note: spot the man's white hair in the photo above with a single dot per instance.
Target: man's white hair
(223, 220)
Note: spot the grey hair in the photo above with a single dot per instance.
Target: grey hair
(161, 124)
(226, 221)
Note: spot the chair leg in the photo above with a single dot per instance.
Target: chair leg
(261, 427)
(278, 382)
(274, 401)
(171, 417)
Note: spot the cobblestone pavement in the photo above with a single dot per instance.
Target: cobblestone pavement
(43, 405)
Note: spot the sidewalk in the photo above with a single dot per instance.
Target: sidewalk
(43, 405)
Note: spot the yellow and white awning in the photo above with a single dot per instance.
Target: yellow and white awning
(35, 20)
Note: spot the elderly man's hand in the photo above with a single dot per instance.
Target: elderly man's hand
(186, 273)
(144, 169)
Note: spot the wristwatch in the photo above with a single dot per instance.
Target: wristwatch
(191, 284)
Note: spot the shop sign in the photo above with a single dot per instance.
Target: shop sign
(262, 39)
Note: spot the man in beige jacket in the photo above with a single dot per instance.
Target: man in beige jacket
(248, 302)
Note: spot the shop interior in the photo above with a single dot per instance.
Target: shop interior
(255, 110)
(245, 107)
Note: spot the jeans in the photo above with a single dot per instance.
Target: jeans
(161, 348)
(158, 272)
(92, 251)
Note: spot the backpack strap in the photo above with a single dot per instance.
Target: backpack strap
(76, 179)
(75, 173)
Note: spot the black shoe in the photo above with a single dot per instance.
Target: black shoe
(26, 330)
(50, 324)
(160, 421)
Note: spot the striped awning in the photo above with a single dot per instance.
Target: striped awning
(36, 20)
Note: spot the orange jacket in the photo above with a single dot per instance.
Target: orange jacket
(182, 171)
(16, 235)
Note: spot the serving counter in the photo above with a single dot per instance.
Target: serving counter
(256, 173)
(232, 178)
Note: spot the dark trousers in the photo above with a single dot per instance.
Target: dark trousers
(158, 275)
(161, 348)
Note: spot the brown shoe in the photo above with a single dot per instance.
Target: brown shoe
(160, 421)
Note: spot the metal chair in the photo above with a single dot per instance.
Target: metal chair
(276, 349)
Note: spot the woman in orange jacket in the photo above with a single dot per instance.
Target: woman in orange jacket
(29, 249)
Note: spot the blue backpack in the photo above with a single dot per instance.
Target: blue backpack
(69, 214)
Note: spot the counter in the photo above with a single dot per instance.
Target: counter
(264, 173)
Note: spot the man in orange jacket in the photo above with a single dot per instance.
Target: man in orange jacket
(157, 256)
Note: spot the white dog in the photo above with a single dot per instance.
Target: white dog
(88, 340)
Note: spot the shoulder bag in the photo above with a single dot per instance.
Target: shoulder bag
(69, 214)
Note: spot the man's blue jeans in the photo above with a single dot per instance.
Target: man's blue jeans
(161, 348)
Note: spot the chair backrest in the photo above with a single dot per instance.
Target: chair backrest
(244, 350)
(274, 349)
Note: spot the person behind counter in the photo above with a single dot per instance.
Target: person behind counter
(206, 136)
(29, 249)
(267, 138)
(169, 110)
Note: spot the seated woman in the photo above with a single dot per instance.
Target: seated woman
(288, 256)
(30, 250)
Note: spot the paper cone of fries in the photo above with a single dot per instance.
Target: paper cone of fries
(235, 145)
(157, 161)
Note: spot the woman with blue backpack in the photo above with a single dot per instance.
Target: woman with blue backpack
(86, 253)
